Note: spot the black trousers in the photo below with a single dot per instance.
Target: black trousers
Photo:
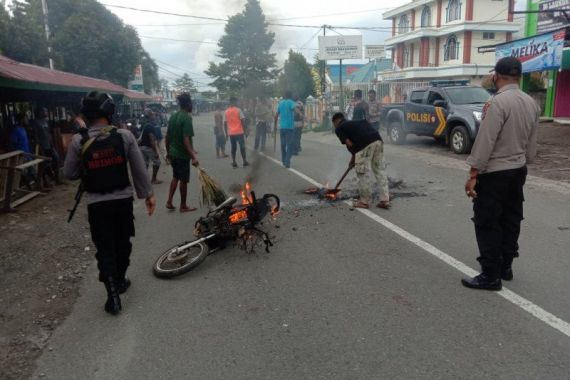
(112, 226)
(498, 212)
(234, 141)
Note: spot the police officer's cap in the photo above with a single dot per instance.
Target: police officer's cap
(509, 66)
(97, 104)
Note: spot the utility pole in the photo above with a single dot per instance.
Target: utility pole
(324, 68)
(46, 27)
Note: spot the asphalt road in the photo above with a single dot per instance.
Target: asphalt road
(342, 295)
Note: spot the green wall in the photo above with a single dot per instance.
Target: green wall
(531, 26)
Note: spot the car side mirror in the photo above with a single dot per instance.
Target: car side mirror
(440, 103)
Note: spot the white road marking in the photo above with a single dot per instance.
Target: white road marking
(528, 306)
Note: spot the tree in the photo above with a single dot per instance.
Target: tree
(164, 84)
(185, 84)
(296, 76)
(150, 73)
(86, 39)
(319, 75)
(25, 39)
(244, 48)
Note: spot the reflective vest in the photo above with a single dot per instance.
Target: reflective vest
(104, 163)
(235, 126)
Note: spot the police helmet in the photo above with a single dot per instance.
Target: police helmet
(97, 104)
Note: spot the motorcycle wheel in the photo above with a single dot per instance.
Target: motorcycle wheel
(172, 263)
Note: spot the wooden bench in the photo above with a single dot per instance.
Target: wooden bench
(12, 165)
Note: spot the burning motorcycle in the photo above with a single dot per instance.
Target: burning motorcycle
(225, 223)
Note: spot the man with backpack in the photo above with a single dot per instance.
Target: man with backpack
(100, 157)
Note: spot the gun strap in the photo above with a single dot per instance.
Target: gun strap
(86, 143)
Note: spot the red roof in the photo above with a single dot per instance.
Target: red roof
(42, 75)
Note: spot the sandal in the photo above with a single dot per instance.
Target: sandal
(360, 204)
(384, 204)
(170, 206)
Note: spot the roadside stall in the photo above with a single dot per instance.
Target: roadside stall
(25, 88)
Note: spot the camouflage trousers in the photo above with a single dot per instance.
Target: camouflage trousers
(370, 159)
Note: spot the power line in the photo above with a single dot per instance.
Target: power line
(330, 14)
(177, 25)
(164, 13)
(179, 40)
(180, 68)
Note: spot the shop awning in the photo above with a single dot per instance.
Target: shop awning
(19, 75)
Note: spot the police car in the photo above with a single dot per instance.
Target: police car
(449, 111)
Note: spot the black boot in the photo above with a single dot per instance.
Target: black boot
(113, 304)
(123, 285)
(482, 281)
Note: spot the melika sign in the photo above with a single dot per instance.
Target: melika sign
(538, 53)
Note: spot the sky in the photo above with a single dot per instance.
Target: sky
(175, 58)
(192, 56)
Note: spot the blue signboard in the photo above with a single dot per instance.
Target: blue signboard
(538, 53)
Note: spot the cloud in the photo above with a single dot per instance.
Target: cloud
(195, 56)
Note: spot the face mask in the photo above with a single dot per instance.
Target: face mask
(494, 79)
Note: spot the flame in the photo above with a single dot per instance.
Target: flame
(331, 196)
(274, 211)
(246, 194)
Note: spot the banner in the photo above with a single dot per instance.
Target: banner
(552, 20)
(136, 82)
(374, 52)
(340, 47)
(538, 53)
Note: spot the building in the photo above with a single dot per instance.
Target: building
(438, 39)
(557, 78)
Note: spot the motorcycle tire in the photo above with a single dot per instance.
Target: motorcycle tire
(170, 263)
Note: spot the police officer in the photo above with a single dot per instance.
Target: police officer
(99, 157)
(506, 142)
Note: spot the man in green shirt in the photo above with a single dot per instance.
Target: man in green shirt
(180, 151)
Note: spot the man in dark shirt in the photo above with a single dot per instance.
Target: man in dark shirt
(149, 144)
(360, 111)
(367, 150)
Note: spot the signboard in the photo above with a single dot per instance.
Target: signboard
(555, 20)
(136, 82)
(538, 53)
(340, 47)
(375, 52)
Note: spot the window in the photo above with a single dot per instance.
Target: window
(453, 10)
(406, 59)
(451, 49)
(417, 97)
(433, 96)
(426, 17)
(404, 24)
(467, 95)
(488, 36)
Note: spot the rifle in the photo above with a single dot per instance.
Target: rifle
(78, 195)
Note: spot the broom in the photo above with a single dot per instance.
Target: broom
(212, 192)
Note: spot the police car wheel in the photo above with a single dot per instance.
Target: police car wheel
(396, 133)
(173, 262)
(459, 140)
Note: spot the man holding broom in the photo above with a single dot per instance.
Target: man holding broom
(367, 149)
(180, 151)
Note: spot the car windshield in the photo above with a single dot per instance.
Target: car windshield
(468, 95)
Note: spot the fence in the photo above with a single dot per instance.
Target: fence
(318, 109)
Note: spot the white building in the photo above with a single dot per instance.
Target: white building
(438, 39)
